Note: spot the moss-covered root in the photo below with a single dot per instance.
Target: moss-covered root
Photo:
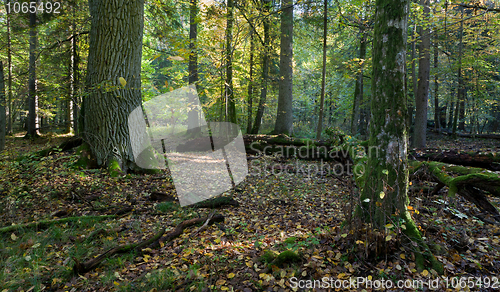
(422, 251)
(114, 168)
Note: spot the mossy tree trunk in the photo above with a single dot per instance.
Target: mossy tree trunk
(384, 197)
(114, 57)
(228, 85)
(3, 121)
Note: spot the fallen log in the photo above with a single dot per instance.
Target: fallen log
(488, 161)
(82, 268)
(464, 135)
(467, 182)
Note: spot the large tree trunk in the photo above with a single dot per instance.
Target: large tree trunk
(265, 68)
(385, 191)
(3, 121)
(32, 97)
(424, 65)
(284, 116)
(413, 79)
(228, 87)
(114, 56)
(323, 72)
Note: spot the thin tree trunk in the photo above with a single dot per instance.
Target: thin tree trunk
(74, 74)
(284, 116)
(413, 77)
(265, 68)
(421, 99)
(323, 73)
(437, 110)
(9, 81)
(3, 122)
(460, 90)
(358, 91)
(250, 83)
(32, 97)
(194, 112)
(228, 92)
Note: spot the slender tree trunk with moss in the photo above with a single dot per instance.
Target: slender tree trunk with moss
(437, 110)
(323, 72)
(460, 89)
(384, 197)
(113, 80)
(284, 116)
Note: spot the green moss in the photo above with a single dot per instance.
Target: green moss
(291, 240)
(268, 256)
(114, 168)
(286, 256)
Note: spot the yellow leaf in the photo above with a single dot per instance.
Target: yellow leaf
(123, 82)
(231, 275)
(220, 282)
(382, 195)
(359, 242)
(217, 240)
(388, 237)
(344, 235)
(389, 226)
(425, 273)
(116, 283)
(304, 273)
(403, 227)
(283, 274)
(13, 236)
(402, 256)
(166, 83)
(224, 288)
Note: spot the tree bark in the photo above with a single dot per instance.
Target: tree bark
(9, 68)
(323, 72)
(437, 111)
(284, 116)
(384, 183)
(460, 91)
(115, 52)
(421, 99)
(265, 68)
(250, 83)
(193, 114)
(3, 122)
(358, 91)
(32, 97)
(228, 88)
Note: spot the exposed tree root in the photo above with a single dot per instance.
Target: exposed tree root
(46, 223)
(217, 202)
(81, 268)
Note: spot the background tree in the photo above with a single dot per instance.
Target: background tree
(284, 116)
(3, 124)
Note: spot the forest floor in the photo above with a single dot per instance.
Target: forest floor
(300, 211)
